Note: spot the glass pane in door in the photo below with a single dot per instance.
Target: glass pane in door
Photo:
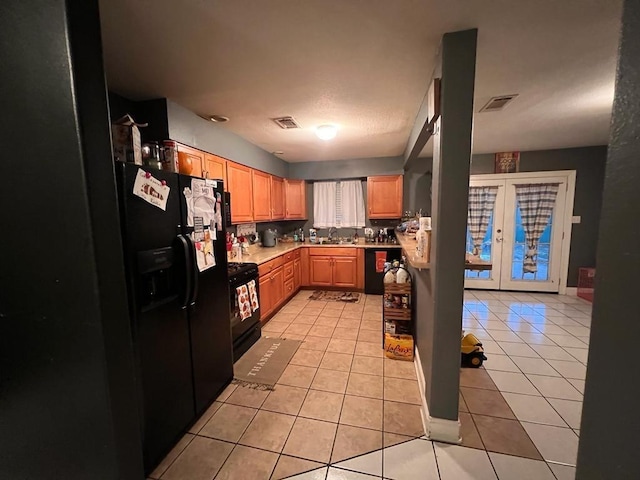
(485, 252)
(520, 250)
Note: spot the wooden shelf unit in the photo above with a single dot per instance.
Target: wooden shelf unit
(400, 315)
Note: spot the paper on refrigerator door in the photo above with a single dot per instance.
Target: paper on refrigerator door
(201, 201)
(205, 254)
(150, 189)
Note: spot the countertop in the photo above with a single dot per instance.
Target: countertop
(408, 244)
(409, 248)
(258, 254)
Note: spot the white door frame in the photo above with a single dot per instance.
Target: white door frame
(567, 224)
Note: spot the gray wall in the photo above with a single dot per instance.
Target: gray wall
(417, 190)
(345, 169)
(352, 168)
(152, 112)
(610, 416)
(589, 164)
(187, 127)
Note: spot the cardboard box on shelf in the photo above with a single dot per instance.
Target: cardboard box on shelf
(126, 140)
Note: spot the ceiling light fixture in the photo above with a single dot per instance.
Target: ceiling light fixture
(218, 118)
(215, 118)
(326, 132)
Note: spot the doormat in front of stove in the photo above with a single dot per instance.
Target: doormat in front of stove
(328, 296)
(264, 363)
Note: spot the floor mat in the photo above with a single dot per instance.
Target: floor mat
(264, 362)
(328, 296)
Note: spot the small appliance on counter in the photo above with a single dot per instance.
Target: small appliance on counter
(269, 238)
(313, 235)
(369, 236)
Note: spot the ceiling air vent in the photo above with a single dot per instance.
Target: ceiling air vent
(286, 122)
(498, 103)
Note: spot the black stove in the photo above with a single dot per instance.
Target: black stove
(244, 332)
(240, 270)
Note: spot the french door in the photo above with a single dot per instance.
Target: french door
(520, 224)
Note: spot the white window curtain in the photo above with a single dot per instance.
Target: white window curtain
(352, 204)
(324, 204)
(536, 203)
(481, 202)
(338, 204)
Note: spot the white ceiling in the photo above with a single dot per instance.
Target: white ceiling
(365, 65)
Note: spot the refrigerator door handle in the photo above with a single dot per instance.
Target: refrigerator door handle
(186, 251)
(194, 271)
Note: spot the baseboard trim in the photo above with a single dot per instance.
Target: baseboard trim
(422, 384)
(572, 291)
(437, 429)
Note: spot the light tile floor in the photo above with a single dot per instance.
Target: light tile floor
(342, 411)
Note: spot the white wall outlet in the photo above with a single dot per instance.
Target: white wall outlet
(576, 219)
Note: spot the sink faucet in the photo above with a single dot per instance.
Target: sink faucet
(332, 231)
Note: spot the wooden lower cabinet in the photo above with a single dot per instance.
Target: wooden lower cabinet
(345, 272)
(297, 278)
(320, 271)
(333, 271)
(272, 292)
(289, 288)
(266, 296)
(282, 277)
(277, 279)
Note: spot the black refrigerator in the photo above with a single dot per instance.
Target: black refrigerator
(176, 265)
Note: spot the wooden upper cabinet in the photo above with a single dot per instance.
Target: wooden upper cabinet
(261, 196)
(215, 167)
(384, 196)
(240, 183)
(277, 198)
(190, 160)
(295, 195)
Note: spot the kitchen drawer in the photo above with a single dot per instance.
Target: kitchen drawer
(288, 288)
(296, 253)
(333, 251)
(268, 267)
(288, 256)
(288, 270)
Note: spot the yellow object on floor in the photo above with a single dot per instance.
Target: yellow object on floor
(472, 351)
(398, 347)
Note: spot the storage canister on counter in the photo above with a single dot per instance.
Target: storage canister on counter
(170, 162)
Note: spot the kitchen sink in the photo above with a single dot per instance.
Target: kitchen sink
(339, 241)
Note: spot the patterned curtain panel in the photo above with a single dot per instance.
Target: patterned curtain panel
(536, 204)
(481, 202)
